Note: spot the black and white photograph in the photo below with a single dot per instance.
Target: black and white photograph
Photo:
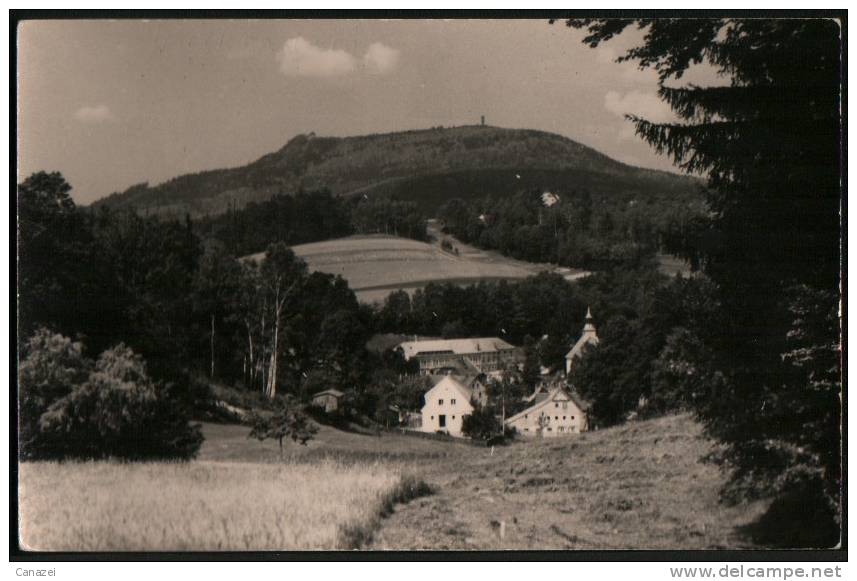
(568, 283)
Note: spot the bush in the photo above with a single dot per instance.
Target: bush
(54, 365)
(119, 412)
(481, 424)
(288, 421)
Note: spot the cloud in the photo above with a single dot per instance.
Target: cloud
(301, 58)
(642, 104)
(380, 59)
(95, 114)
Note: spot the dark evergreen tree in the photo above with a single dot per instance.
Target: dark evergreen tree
(770, 144)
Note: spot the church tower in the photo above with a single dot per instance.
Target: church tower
(588, 337)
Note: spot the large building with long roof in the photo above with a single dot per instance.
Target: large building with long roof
(488, 355)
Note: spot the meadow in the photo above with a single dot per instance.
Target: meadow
(203, 506)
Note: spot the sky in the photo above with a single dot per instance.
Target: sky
(110, 104)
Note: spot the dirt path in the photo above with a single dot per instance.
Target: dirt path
(471, 252)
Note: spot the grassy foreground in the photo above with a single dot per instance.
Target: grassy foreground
(105, 506)
(638, 486)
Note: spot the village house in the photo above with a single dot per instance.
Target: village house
(446, 404)
(488, 355)
(328, 400)
(558, 412)
(589, 337)
(554, 408)
(477, 384)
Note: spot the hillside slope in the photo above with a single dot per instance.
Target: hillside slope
(427, 166)
(639, 486)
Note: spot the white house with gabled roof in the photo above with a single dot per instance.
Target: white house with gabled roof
(445, 406)
(558, 413)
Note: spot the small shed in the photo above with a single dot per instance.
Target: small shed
(328, 400)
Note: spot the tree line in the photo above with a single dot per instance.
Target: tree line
(159, 297)
(568, 227)
(310, 217)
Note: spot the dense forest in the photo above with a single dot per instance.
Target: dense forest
(569, 228)
(310, 217)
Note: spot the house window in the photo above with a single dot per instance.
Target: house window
(453, 417)
(452, 401)
(440, 402)
(563, 417)
(572, 417)
(550, 429)
(556, 405)
(556, 417)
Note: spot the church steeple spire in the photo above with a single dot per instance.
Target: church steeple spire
(588, 326)
(588, 337)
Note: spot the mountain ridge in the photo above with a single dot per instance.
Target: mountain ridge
(456, 157)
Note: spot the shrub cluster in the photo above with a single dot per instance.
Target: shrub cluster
(71, 407)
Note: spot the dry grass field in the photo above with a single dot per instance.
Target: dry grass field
(103, 506)
(639, 486)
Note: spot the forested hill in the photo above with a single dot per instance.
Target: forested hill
(426, 166)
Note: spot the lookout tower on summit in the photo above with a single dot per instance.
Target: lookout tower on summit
(588, 337)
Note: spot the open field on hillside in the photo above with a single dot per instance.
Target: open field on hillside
(104, 506)
(377, 265)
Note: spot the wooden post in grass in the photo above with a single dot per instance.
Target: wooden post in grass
(212, 345)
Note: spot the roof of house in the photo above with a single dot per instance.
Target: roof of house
(539, 389)
(577, 350)
(455, 346)
(450, 381)
(568, 393)
(333, 392)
